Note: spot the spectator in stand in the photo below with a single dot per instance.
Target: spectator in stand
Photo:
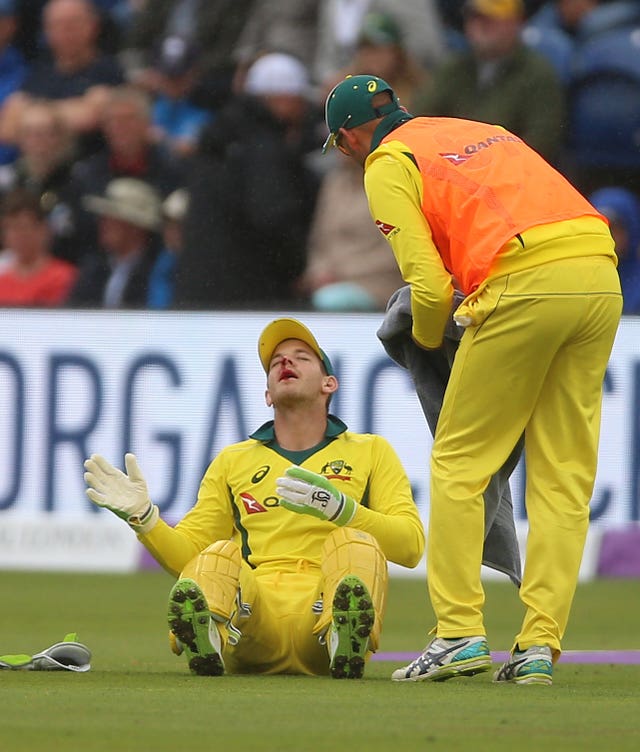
(581, 19)
(162, 280)
(12, 66)
(252, 193)
(622, 208)
(359, 280)
(381, 51)
(28, 37)
(130, 151)
(451, 12)
(73, 73)
(47, 152)
(30, 275)
(349, 265)
(212, 25)
(339, 25)
(603, 87)
(496, 77)
(563, 15)
(117, 275)
(177, 122)
(116, 17)
(288, 26)
(559, 28)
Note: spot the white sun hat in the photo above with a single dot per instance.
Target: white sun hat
(277, 73)
(130, 200)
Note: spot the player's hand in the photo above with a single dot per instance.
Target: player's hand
(305, 492)
(124, 494)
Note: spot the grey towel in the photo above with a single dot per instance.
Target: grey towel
(429, 371)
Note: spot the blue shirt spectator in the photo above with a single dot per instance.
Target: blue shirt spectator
(72, 71)
(179, 120)
(176, 119)
(12, 66)
(622, 209)
(162, 280)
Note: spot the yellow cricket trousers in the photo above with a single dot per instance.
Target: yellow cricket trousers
(280, 634)
(534, 363)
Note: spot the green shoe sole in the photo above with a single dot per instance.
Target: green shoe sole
(353, 619)
(468, 667)
(189, 620)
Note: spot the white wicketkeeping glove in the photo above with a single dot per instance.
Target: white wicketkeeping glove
(124, 494)
(68, 655)
(305, 492)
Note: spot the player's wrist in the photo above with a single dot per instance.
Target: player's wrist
(345, 512)
(142, 523)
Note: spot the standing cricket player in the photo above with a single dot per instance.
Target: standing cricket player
(469, 203)
(282, 562)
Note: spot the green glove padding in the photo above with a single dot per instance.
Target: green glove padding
(305, 492)
(68, 655)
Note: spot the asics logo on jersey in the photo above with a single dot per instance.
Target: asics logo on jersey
(251, 505)
(260, 473)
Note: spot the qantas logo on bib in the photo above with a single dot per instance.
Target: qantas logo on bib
(251, 505)
(457, 158)
(454, 158)
(384, 228)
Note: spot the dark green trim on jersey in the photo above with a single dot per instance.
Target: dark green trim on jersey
(266, 435)
(364, 501)
(297, 458)
(244, 535)
(410, 156)
(266, 431)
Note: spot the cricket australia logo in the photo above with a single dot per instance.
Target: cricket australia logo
(337, 470)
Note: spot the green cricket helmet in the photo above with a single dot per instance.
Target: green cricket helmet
(349, 104)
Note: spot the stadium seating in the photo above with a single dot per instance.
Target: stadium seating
(606, 16)
(553, 44)
(604, 101)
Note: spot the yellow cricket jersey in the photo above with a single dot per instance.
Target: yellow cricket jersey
(237, 500)
(394, 189)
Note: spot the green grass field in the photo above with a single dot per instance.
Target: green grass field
(139, 697)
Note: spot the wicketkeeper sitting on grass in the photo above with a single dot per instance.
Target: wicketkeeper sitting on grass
(282, 562)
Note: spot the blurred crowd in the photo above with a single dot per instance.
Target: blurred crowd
(166, 154)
